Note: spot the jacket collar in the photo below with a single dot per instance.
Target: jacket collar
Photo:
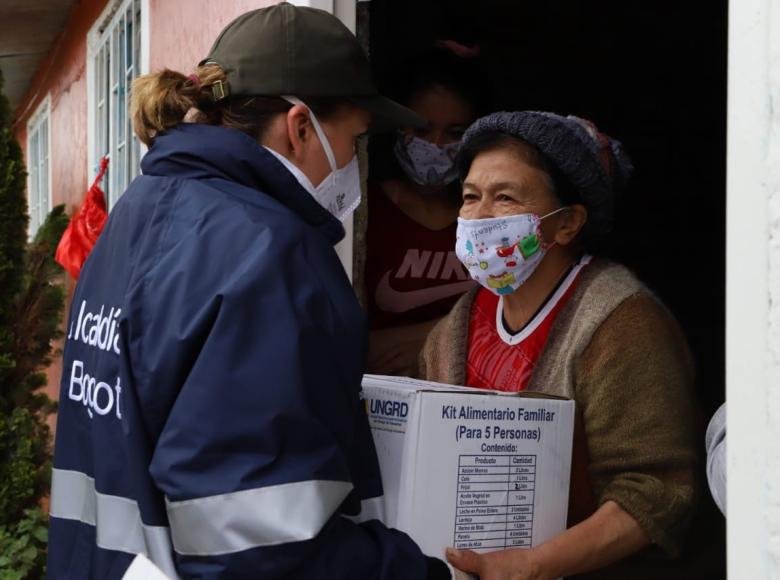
(196, 151)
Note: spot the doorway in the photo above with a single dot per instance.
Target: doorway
(652, 75)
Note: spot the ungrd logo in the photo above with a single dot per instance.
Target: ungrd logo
(389, 408)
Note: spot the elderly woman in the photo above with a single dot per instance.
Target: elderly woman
(552, 317)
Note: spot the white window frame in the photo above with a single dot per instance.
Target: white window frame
(100, 34)
(34, 164)
(753, 291)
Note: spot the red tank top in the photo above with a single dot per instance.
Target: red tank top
(502, 361)
(412, 272)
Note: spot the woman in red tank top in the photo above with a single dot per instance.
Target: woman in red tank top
(413, 276)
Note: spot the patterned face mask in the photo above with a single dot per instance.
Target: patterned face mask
(426, 163)
(502, 253)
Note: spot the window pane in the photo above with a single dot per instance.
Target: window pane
(44, 131)
(129, 38)
(129, 74)
(121, 92)
(108, 108)
(99, 77)
(44, 193)
(137, 36)
(45, 166)
(104, 108)
(104, 186)
(100, 105)
(137, 71)
(113, 182)
(118, 119)
(42, 177)
(32, 195)
(33, 161)
(120, 170)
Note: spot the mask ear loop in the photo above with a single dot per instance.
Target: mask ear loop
(553, 212)
(317, 129)
(547, 245)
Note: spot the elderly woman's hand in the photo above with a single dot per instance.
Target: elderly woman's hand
(516, 564)
(605, 537)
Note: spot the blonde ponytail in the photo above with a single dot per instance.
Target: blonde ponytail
(166, 98)
(160, 101)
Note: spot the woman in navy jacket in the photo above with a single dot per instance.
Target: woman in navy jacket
(210, 414)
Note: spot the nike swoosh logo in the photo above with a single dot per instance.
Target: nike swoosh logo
(389, 299)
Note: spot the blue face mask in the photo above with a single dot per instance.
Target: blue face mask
(426, 163)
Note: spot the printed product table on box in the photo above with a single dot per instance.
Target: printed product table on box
(495, 501)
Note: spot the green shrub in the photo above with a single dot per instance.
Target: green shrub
(23, 547)
(31, 305)
(25, 467)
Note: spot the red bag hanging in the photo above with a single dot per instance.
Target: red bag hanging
(84, 227)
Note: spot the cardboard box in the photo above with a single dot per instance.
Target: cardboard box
(470, 468)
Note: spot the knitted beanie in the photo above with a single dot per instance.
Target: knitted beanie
(594, 163)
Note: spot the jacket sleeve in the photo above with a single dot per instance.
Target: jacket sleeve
(715, 441)
(255, 410)
(634, 386)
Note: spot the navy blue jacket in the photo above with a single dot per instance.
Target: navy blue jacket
(209, 407)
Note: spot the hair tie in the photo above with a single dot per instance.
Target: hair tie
(195, 80)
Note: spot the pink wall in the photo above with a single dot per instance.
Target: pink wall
(182, 31)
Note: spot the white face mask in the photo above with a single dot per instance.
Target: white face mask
(424, 162)
(501, 253)
(339, 192)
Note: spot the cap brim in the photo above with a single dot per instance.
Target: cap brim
(387, 114)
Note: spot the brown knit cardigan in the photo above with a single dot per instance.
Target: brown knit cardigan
(617, 351)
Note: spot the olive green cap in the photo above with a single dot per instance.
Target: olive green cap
(305, 52)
